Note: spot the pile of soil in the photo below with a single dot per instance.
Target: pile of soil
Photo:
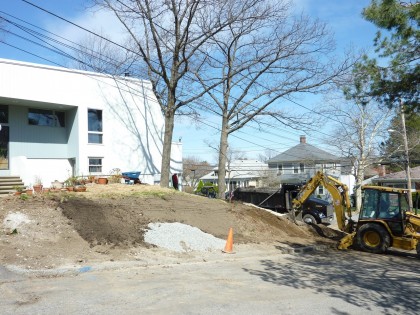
(108, 223)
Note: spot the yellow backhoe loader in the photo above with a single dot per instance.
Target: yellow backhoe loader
(385, 219)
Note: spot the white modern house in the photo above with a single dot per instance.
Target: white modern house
(240, 173)
(58, 122)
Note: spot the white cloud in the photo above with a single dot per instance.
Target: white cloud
(100, 22)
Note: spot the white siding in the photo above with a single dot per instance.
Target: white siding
(133, 124)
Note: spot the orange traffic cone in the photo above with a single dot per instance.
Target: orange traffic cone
(229, 243)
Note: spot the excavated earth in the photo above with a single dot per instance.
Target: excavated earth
(108, 222)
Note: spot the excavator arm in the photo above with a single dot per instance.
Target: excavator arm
(340, 196)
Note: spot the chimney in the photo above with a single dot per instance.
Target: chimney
(302, 139)
(382, 170)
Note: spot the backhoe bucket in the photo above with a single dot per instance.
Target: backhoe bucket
(346, 241)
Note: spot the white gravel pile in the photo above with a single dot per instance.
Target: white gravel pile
(181, 238)
(13, 220)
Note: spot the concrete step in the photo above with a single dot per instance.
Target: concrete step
(8, 183)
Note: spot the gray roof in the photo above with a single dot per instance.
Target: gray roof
(414, 172)
(304, 152)
(240, 169)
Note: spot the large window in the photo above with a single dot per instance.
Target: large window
(4, 114)
(4, 137)
(95, 126)
(291, 168)
(46, 117)
(288, 168)
(95, 165)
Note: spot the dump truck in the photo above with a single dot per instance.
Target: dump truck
(313, 209)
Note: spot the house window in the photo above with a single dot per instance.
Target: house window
(4, 137)
(320, 190)
(302, 167)
(95, 165)
(46, 117)
(295, 169)
(287, 168)
(95, 126)
(4, 114)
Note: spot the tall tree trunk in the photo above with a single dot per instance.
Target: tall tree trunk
(221, 180)
(359, 180)
(167, 146)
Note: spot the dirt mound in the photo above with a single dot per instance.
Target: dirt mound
(123, 219)
(108, 222)
(103, 221)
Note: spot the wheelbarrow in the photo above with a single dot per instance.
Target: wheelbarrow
(131, 177)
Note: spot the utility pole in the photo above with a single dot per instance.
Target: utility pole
(407, 159)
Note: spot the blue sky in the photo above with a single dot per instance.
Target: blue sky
(343, 17)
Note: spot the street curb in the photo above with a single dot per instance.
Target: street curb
(111, 266)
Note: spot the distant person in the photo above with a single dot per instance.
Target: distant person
(175, 181)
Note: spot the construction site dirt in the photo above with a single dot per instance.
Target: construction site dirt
(107, 224)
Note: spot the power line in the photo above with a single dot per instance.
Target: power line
(143, 96)
(134, 52)
(125, 48)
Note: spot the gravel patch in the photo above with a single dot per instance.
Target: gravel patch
(180, 237)
(14, 220)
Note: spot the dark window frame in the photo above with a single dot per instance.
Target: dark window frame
(95, 168)
(95, 127)
(4, 109)
(46, 118)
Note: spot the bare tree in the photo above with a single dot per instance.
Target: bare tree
(358, 130)
(266, 155)
(100, 55)
(393, 148)
(194, 169)
(268, 55)
(167, 39)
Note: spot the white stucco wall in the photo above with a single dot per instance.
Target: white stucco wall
(52, 169)
(133, 124)
(348, 180)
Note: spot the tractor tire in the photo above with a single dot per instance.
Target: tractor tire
(309, 219)
(373, 238)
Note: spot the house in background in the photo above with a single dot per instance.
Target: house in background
(240, 173)
(399, 179)
(56, 123)
(299, 163)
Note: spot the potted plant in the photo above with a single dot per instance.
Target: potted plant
(37, 186)
(75, 184)
(79, 188)
(19, 189)
(116, 176)
(56, 185)
(102, 180)
(70, 182)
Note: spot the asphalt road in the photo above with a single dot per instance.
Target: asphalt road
(313, 282)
